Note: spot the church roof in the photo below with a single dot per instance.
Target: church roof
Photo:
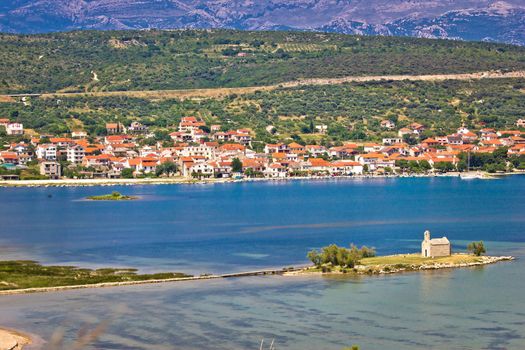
(439, 241)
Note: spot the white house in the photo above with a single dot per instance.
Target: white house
(46, 152)
(322, 129)
(14, 129)
(392, 140)
(200, 150)
(388, 124)
(345, 167)
(275, 170)
(316, 150)
(201, 168)
(75, 154)
(275, 148)
(78, 134)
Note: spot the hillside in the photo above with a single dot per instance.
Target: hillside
(158, 60)
(352, 111)
(480, 20)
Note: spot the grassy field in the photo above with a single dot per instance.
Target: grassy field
(23, 274)
(398, 263)
(417, 259)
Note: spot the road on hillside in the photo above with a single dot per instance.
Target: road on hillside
(221, 92)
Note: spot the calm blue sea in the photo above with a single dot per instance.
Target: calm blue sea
(240, 226)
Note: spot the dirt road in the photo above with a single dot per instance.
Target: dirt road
(221, 92)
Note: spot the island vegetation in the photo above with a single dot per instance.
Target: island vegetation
(476, 248)
(22, 274)
(337, 260)
(334, 255)
(113, 196)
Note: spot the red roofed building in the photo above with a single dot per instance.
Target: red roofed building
(345, 167)
(232, 148)
(114, 128)
(276, 170)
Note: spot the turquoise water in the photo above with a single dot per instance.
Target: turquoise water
(232, 227)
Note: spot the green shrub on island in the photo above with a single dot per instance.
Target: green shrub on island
(340, 256)
(114, 196)
(476, 248)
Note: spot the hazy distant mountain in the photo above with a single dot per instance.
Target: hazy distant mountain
(489, 20)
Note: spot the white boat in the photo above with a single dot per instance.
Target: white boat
(468, 175)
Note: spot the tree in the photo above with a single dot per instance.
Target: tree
(501, 153)
(236, 165)
(366, 252)
(314, 257)
(409, 139)
(127, 173)
(414, 166)
(168, 168)
(476, 248)
(402, 164)
(340, 256)
(444, 166)
(425, 165)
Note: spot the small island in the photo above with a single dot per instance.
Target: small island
(113, 196)
(436, 254)
(29, 276)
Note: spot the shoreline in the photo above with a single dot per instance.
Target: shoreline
(387, 269)
(13, 340)
(376, 269)
(186, 181)
(150, 281)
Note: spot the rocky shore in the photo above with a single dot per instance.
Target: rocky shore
(182, 180)
(384, 269)
(12, 340)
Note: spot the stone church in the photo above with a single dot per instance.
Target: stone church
(435, 247)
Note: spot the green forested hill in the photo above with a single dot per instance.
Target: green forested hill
(154, 60)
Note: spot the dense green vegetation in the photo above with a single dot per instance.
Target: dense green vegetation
(30, 274)
(351, 111)
(113, 196)
(334, 255)
(334, 259)
(491, 162)
(152, 60)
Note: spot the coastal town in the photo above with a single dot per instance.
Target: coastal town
(195, 150)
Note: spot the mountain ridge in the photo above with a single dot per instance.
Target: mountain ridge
(480, 20)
